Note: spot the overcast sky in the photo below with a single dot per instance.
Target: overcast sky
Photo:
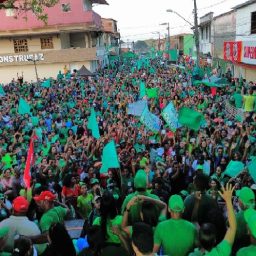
(138, 19)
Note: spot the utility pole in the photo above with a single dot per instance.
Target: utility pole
(196, 35)
(168, 29)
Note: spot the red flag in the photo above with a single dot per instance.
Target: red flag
(213, 91)
(29, 162)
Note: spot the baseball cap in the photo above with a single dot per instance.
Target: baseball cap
(20, 204)
(140, 180)
(250, 218)
(176, 203)
(3, 231)
(94, 181)
(45, 195)
(246, 196)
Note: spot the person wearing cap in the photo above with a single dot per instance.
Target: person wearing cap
(176, 235)
(95, 187)
(19, 224)
(51, 214)
(207, 233)
(250, 218)
(246, 200)
(140, 184)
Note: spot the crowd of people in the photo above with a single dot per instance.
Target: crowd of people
(172, 194)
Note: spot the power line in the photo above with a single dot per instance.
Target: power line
(213, 5)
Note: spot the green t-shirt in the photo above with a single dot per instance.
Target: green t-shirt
(53, 216)
(134, 214)
(247, 251)
(248, 103)
(238, 100)
(241, 225)
(177, 237)
(117, 221)
(84, 203)
(222, 249)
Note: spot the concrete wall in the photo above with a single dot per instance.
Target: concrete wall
(243, 23)
(224, 29)
(44, 70)
(34, 44)
(248, 73)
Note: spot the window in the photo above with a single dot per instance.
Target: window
(253, 23)
(66, 7)
(20, 45)
(46, 43)
(206, 33)
(9, 12)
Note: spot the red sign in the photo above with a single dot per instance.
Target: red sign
(233, 51)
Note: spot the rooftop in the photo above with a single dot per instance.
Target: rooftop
(223, 14)
(75, 13)
(244, 4)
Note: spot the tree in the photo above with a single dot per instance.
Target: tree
(22, 6)
(141, 46)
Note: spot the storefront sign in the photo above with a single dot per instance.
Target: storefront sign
(249, 52)
(21, 58)
(233, 51)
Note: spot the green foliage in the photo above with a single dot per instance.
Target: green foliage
(23, 6)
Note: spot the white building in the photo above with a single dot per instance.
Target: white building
(205, 31)
(246, 34)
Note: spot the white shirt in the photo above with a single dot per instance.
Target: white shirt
(20, 226)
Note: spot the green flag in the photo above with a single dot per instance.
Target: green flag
(152, 93)
(252, 168)
(2, 92)
(93, 124)
(34, 120)
(142, 89)
(46, 83)
(190, 118)
(109, 157)
(234, 168)
(24, 107)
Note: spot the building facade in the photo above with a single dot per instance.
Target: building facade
(246, 36)
(205, 34)
(70, 38)
(223, 30)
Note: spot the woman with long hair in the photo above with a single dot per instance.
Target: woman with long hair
(108, 218)
(60, 243)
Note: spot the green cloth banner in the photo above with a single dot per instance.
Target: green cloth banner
(234, 168)
(252, 168)
(152, 93)
(24, 107)
(142, 89)
(93, 124)
(190, 118)
(109, 157)
(46, 84)
(2, 92)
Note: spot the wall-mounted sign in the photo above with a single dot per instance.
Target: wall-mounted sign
(233, 51)
(21, 58)
(249, 52)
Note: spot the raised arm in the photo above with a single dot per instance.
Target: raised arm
(226, 194)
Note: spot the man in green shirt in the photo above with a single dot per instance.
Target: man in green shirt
(176, 236)
(140, 184)
(3, 235)
(246, 200)
(250, 218)
(51, 214)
